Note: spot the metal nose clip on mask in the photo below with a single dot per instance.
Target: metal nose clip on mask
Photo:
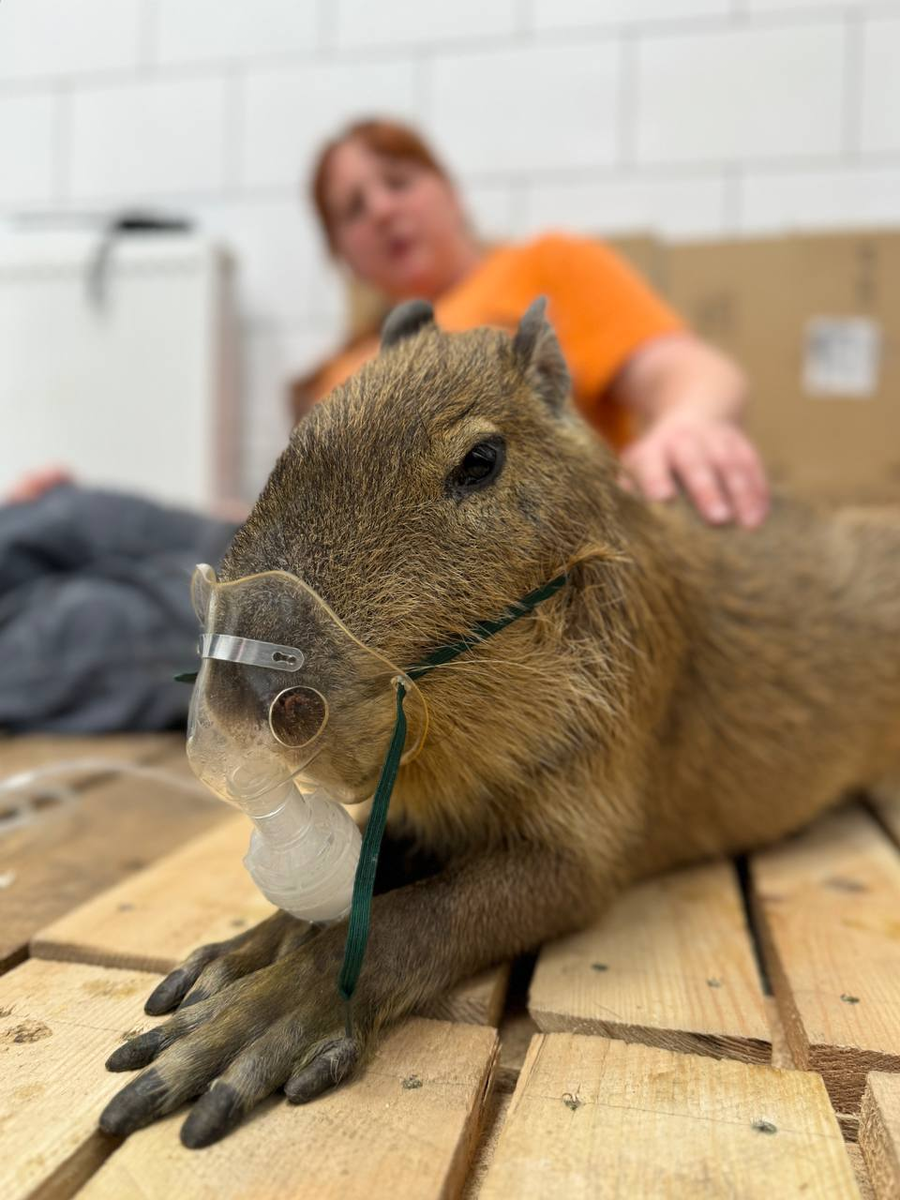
(286, 709)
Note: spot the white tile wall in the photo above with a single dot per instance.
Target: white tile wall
(363, 24)
(671, 207)
(687, 117)
(273, 356)
(495, 209)
(555, 14)
(290, 110)
(742, 95)
(140, 139)
(797, 200)
(282, 272)
(781, 6)
(881, 87)
(527, 108)
(206, 30)
(27, 144)
(56, 37)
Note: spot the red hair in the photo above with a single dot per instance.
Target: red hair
(390, 139)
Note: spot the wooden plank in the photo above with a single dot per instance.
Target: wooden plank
(202, 893)
(86, 760)
(879, 1133)
(154, 918)
(593, 1117)
(475, 1001)
(32, 751)
(860, 1170)
(406, 1128)
(76, 850)
(670, 965)
(887, 808)
(58, 1024)
(829, 915)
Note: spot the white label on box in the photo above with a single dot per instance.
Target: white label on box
(843, 356)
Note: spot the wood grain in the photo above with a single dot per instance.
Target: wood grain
(829, 914)
(406, 1128)
(879, 1133)
(33, 751)
(154, 918)
(593, 1117)
(202, 893)
(58, 1024)
(113, 828)
(887, 808)
(670, 965)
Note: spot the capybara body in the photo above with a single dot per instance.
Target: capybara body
(690, 691)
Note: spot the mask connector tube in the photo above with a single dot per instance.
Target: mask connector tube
(303, 852)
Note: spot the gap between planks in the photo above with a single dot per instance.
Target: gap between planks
(670, 965)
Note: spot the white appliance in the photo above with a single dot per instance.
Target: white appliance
(121, 367)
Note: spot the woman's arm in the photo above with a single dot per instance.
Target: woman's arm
(689, 398)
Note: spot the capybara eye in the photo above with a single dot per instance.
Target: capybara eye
(480, 467)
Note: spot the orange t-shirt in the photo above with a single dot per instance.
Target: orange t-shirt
(601, 309)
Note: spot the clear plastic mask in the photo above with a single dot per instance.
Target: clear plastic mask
(286, 692)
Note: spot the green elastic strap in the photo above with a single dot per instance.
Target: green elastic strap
(486, 629)
(364, 880)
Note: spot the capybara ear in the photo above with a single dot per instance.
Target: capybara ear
(538, 354)
(405, 320)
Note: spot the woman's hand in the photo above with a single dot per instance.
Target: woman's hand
(709, 457)
(33, 485)
(689, 397)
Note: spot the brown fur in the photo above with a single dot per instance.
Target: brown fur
(692, 691)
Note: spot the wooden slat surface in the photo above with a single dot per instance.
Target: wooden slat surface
(154, 918)
(887, 807)
(202, 893)
(406, 1128)
(879, 1133)
(58, 1024)
(670, 965)
(593, 1117)
(475, 1001)
(113, 828)
(829, 914)
(33, 751)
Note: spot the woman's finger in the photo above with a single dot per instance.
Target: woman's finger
(693, 465)
(743, 477)
(646, 461)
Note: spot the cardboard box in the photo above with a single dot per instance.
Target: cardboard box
(815, 322)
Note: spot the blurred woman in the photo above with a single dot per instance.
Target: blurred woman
(95, 613)
(667, 401)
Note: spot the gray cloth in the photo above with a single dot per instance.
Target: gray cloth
(95, 611)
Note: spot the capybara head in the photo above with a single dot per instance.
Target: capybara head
(445, 480)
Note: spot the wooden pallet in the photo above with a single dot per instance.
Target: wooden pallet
(115, 825)
(645, 1058)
